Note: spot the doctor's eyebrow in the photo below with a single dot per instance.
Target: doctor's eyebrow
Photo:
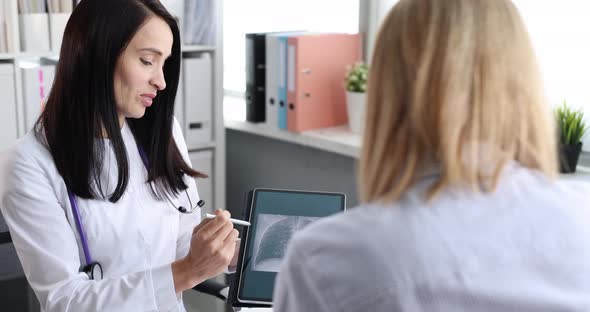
(153, 50)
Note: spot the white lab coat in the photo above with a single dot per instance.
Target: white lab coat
(525, 247)
(135, 240)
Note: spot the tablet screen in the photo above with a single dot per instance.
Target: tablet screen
(275, 216)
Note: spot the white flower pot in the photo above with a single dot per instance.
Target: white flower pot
(355, 104)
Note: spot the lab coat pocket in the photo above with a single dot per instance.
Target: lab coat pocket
(109, 227)
(93, 218)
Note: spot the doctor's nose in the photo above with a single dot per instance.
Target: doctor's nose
(158, 81)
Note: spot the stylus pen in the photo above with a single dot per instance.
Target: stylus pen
(232, 220)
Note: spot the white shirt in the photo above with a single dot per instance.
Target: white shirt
(135, 240)
(525, 247)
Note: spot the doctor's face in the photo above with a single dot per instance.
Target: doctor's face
(139, 72)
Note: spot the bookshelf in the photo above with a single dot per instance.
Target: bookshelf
(198, 48)
(26, 55)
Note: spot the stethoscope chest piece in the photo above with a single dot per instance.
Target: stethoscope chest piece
(94, 271)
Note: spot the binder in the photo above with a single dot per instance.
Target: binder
(59, 14)
(199, 22)
(275, 76)
(37, 80)
(255, 77)
(12, 26)
(272, 74)
(316, 70)
(57, 26)
(198, 99)
(8, 127)
(34, 32)
(282, 79)
(3, 25)
(282, 82)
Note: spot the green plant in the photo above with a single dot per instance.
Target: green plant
(571, 125)
(356, 77)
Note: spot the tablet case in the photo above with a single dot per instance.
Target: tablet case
(232, 298)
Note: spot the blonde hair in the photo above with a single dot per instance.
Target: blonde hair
(454, 83)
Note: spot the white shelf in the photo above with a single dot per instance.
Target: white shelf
(23, 55)
(37, 54)
(337, 140)
(202, 146)
(197, 48)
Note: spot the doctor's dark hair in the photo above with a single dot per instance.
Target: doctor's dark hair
(82, 102)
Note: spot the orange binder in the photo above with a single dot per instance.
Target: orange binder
(316, 65)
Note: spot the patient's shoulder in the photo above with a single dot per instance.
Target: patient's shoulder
(340, 231)
(341, 253)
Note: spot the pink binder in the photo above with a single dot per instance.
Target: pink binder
(316, 66)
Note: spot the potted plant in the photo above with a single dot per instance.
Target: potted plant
(572, 129)
(356, 85)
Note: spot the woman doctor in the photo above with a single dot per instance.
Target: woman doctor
(103, 184)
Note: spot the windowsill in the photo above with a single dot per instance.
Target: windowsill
(582, 169)
(584, 160)
(339, 140)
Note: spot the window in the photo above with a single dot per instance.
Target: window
(242, 17)
(559, 33)
(377, 11)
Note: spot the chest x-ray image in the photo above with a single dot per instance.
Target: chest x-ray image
(272, 234)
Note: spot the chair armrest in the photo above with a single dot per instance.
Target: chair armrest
(5, 238)
(214, 288)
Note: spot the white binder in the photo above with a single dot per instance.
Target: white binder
(199, 22)
(37, 81)
(12, 26)
(272, 76)
(34, 32)
(57, 25)
(198, 100)
(8, 126)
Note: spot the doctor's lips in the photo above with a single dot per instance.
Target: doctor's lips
(147, 99)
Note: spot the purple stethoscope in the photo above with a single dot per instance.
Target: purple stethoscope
(93, 269)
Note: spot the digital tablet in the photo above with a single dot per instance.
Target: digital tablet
(275, 216)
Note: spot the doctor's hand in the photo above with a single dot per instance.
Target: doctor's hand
(212, 248)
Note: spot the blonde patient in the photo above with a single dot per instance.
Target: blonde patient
(462, 209)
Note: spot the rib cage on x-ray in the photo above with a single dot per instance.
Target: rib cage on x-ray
(273, 233)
